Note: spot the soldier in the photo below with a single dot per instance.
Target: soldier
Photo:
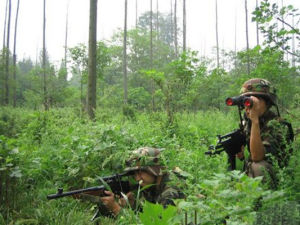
(148, 171)
(267, 135)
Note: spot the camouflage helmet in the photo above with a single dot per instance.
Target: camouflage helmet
(259, 87)
(146, 158)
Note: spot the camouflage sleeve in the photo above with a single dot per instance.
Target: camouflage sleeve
(168, 195)
(274, 139)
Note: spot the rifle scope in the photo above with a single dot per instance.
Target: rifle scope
(242, 101)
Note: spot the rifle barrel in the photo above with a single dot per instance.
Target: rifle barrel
(61, 194)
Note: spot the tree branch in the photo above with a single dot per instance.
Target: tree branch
(294, 29)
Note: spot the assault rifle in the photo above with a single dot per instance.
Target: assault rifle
(232, 142)
(114, 183)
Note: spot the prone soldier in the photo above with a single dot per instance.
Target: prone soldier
(151, 174)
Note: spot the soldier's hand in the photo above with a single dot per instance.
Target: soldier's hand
(258, 108)
(130, 199)
(240, 154)
(110, 203)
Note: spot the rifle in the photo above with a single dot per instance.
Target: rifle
(114, 183)
(232, 142)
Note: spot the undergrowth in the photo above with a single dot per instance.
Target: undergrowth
(41, 151)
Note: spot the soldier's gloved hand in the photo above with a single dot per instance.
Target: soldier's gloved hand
(110, 203)
(130, 198)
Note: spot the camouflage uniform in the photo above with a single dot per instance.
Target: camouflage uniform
(274, 139)
(148, 159)
(274, 132)
(162, 194)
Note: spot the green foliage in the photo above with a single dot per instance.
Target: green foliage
(269, 16)
(155, 214)
(40, 151)
(59, 149)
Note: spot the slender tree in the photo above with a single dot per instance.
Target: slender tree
(151, 51)
(3, 72)
(6, 98)
(235, 58)
(91, 95)
(46, 106)
(175, 28)
(171, 22)
(136, 13)
(184, 26)
(151, 34)
(293, 43)
(217, 36)
(15, 57)
(257, 32)
(125, 56)
(4, 30)
(66, 44)
(247, 37)
(157, 22)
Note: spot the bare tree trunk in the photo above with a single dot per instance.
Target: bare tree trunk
(157, 23)
(151, 35)
(91, 98)
(171, 22)
(293, 45)
(136, 14)
(46, 106)
(3, 59)
(66, 44)
(184, 26)
(257, 31)
(247, 38)
(217, 36)
(6, 98)
(15, 58)
(235, 58)
(125, 55)
(151, 51)
(4, 31)
(175, 22)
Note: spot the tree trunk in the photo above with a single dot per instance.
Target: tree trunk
(257, 31)
(6, 98)
(151, 51)
(46, 106)
(171, 22)
(151, 35)
(15, 58)
(4, 31)
(136, 14)
(66, 44)
(184, 26)
(235, 55)
(217, 36)
(125, 56)
(175, 23)
(3, 59)
(293, 45)
(247, 38)
(91, 97)
(157, 23)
